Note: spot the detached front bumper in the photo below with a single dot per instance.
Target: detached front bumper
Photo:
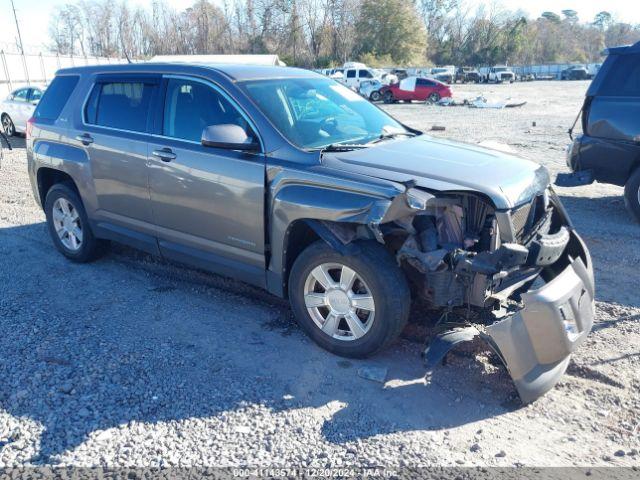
(535, 343)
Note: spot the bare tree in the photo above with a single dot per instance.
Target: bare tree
(324, 32)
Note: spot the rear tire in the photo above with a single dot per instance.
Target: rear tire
(69, 225)
(632, 194)
(375, 96)
(8, 126)
(324, 316)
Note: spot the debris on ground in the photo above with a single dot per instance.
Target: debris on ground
(480, 102)
(375, 374)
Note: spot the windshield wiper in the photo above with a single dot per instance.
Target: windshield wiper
(389, 136)
(342, 147)
(345, 147)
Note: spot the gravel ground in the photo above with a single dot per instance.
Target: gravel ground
(134, 361)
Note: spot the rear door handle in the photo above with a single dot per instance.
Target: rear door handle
(85, 138)
(164, 154)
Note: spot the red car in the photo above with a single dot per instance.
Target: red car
(415, 88)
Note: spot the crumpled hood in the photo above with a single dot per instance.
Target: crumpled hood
(445, 165)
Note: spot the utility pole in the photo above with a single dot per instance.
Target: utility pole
(17, 27)
(24, 60)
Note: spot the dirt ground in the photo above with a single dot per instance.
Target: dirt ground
(134, 361)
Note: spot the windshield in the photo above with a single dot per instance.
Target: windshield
(438, 70)
(502, 69)
(313, 113)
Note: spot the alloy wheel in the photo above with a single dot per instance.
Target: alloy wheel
(339, 301)
(67, 224)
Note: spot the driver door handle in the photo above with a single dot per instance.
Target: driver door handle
(164, 154)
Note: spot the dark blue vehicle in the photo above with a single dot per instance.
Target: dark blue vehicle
(609, 148)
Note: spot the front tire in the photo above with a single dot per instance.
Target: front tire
(388, 97)
(69, 225)
(8, 126)
(375, 96)
(434, 97)
(351, 305)
(632, 195)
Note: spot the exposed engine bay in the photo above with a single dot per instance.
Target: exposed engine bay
(460, 251)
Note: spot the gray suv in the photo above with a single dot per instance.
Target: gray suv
(285, 179)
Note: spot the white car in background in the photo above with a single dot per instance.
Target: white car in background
(370, 89)
(17, 108)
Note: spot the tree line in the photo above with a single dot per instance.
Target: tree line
(322, 33)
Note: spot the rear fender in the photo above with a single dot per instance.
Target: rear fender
(68, 159)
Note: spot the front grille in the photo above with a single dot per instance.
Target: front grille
(526, 218)
(519, 219)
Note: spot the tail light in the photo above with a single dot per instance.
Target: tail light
(29, 127)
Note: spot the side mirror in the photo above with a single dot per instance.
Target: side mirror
(229, 136)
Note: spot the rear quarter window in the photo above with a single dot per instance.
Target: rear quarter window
(56, 97)
(623, 78)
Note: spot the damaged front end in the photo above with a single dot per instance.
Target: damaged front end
(524, 272)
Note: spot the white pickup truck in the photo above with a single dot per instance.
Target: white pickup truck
(498, 74)
(354, 73)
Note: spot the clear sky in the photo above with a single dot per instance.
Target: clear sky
(34, 15)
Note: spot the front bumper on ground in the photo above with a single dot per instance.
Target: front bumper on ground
(536, 342)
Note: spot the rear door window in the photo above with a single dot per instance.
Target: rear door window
(36, 95)
(122, 105)
(423, 82)
(55, 97)
(623, 79)
(351, 74)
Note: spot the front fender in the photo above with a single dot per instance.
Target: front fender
(296, 196)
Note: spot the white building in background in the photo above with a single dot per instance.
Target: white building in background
(17, 70)
(223, 59)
